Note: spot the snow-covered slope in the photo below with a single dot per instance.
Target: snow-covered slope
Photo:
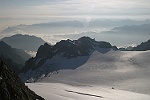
(57, 91)
(128, 70)
(94, 66)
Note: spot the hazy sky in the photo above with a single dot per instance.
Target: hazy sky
(34, 11)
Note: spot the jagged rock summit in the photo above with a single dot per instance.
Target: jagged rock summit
(71, 48)
(12, 88)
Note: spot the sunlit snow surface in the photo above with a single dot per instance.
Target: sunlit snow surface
(128, 72)
(57, 91)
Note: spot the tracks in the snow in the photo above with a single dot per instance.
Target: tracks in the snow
(87, 94)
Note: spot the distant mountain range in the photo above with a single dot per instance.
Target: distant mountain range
(141, 47)
(126, 49)
(115, 23)
(45, 28)
(14, 57)
(101, 29)
(12, 88)
(125, 34)
(24, 42)
(79, 24)
(74, 23)
(133, 29)
(51, 58)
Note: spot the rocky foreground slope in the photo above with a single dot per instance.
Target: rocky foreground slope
(12, 88)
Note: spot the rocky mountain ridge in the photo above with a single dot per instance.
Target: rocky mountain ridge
(51, 58)
(143, 46)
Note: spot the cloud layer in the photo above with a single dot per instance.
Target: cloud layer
(36, 11)
(96, 8)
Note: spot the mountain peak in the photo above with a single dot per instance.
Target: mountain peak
(85, 40)
(71, 48)
(25, 42)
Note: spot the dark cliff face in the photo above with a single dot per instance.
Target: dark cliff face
(12, 88)
(66, 49)
(143, 46)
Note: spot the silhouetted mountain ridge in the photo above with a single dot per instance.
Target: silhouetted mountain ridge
(134, 29)
(74, 23)
(71, 48)
(24, 42)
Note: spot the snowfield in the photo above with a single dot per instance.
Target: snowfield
(126, 71)
(58, 91)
